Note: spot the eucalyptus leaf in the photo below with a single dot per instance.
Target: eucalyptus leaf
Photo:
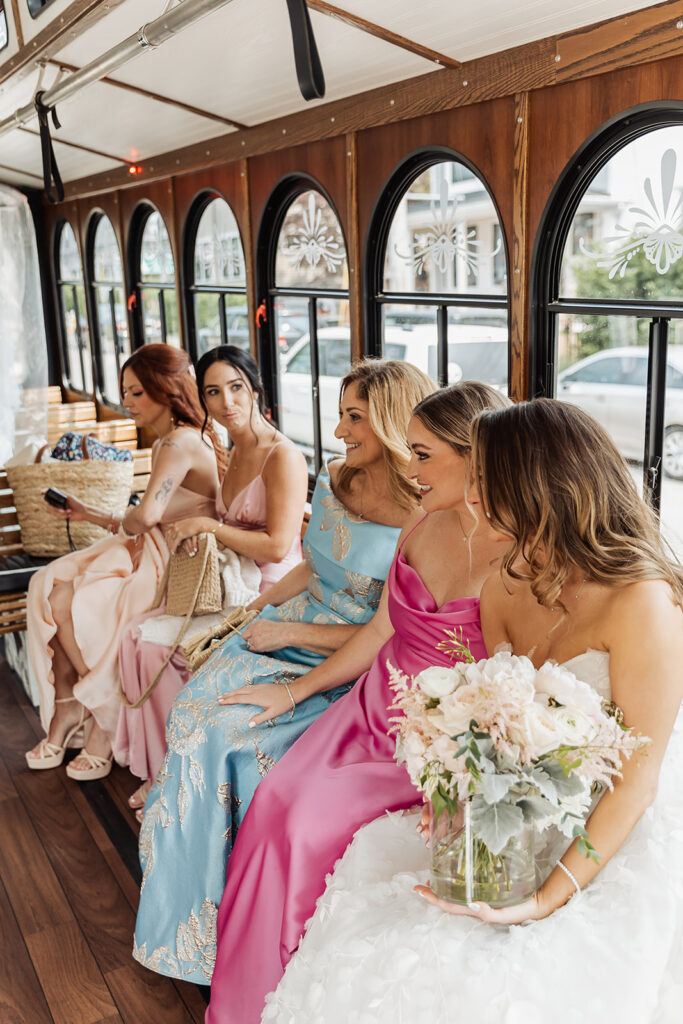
(544, 784)
(495, 824)
(494, 787)
(535, 808)
(566, 785)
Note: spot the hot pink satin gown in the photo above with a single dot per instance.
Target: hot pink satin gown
(140, 740)
(113, 580)
(340, 775)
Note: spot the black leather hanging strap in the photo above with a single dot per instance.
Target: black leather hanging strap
(50, 170)
(309, 70)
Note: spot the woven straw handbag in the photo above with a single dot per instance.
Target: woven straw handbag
(200, 648)
(104, 484)
(192, 585)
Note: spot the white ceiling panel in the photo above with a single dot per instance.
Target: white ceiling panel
(21, 150)
(124, 125)
(464, 31)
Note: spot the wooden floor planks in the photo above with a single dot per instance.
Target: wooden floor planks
(68, 894)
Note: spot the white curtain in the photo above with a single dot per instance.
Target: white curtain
(23, 348)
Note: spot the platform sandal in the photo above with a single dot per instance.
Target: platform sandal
(98, 767)
(51, 755)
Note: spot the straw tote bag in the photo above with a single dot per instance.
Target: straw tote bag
(200, 648)
(104, 484)
(193, 587)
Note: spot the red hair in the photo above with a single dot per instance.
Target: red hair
(167, 376)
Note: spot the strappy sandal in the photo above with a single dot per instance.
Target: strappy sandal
(51, 755)
(136, 801)
(98, 767)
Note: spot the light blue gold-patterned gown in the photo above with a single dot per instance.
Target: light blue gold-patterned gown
(215, 761)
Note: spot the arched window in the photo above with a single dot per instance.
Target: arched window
(609, 273)
(4, 35)
(217, 309)
(437, 266)
(73, 314)
(156, 304)
(112, 343)
(308, 295)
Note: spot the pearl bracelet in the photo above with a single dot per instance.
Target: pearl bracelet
(289, 694)
(569, 875)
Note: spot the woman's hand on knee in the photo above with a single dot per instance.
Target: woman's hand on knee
(274, 700)
(264, 635)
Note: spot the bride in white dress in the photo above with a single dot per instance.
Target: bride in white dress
(587, 584)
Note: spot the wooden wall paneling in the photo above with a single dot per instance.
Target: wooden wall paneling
(564, 116)
(518, 270)
(354, 252)
(248, 247)
(226, 181)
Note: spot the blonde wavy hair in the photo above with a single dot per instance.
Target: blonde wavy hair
(392, 389)
(448, 413)
(552, 478)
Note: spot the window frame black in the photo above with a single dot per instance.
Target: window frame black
(384, 210)
(92, 285)
(197, 209)
(38, 13)
(84, 350)
(3, 16)
(138, 222)
(546, 267)
(279, 201)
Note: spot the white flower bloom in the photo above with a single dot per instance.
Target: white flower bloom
(541, 732)
(437, 681)
(553, 680)
(577, 729)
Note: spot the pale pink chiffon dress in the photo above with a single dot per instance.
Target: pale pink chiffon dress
(340, 775)
(140, 740)
(114, 580)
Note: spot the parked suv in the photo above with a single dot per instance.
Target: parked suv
(611, 386)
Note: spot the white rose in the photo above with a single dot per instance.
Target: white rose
(456, 710)
(576, 728)
(540, 733)
(436, 681)
(553, 680)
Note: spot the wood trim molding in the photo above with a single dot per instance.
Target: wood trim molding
(518, 268)
(520, 69)
(384, 34)
(16, 18)
(354, 255)
(81, 13)
(247, 238)
(138, 91)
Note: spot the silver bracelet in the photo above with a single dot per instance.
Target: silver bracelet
(569, 875)
(289, 694)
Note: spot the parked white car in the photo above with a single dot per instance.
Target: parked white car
(475, 353)
(611, 386)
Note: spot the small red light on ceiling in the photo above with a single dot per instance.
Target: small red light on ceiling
(135, 169)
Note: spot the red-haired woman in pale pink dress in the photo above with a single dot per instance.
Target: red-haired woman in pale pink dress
(79, 605)
(258, 513)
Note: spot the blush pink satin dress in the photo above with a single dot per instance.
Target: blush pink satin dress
(140, 740)
(113, 580)
(339, 776)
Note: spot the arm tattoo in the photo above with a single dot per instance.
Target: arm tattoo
(164, 491)
(167, 443)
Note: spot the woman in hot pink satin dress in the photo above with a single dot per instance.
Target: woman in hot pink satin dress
(342, 774)
(258, 513)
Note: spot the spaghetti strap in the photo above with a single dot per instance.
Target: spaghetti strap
(263, 464)
(411, 531)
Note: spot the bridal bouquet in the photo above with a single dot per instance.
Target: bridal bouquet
(516, 750)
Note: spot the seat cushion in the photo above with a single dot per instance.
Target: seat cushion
(16, 570)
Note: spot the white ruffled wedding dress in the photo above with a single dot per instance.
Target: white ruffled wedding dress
(376, 953)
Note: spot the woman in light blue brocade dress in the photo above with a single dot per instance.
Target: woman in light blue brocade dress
(217, 755)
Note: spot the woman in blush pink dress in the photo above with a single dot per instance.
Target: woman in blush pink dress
(342, 773)
(258, 513)
(78, 605)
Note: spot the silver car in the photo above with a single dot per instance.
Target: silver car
(611, 385)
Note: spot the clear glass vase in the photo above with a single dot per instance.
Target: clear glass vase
(463, 869)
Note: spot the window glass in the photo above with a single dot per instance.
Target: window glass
(110, 305)
(672, 452)
(4, 35)
(443, 236)
(73, 310)
(156, 257)
(626, 240)
(218, 254)
(311, 252)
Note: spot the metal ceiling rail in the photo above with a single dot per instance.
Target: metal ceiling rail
(148, 36)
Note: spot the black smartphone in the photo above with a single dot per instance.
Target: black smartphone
(57, 498)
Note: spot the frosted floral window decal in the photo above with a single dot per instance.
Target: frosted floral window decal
(446, 238)
(311, 249)
(656, 226)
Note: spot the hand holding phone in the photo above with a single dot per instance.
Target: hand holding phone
(56, 498)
